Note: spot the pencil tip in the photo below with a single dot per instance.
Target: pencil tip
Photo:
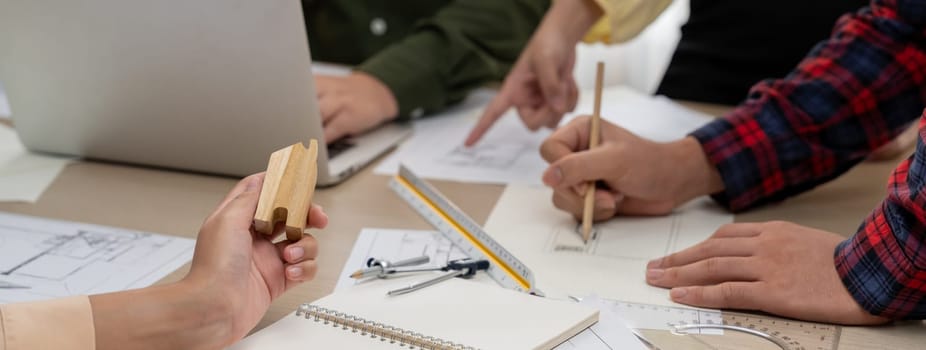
(356, 274)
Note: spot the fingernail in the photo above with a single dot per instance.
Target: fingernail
(294, 271)
(553, 176)
(251, 184)
(321, 212)
(678, 293)
(654, 274)
(655, 263)
(296, 253)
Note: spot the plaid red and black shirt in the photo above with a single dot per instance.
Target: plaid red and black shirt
(853, 93)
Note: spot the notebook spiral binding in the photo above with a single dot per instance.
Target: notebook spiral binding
(376, 330)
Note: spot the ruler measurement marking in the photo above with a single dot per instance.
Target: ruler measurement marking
(798, 335)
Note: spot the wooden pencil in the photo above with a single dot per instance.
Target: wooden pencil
(594, 137)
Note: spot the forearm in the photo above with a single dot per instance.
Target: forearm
(882, 265)
(161, 317)
(852, 94)
(697, 175)
(572, 17)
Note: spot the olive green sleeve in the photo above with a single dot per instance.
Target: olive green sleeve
(463, 46)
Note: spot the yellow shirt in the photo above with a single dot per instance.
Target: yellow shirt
(60, 324)
(624, 19)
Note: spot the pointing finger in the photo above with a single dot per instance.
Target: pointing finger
(499, 105)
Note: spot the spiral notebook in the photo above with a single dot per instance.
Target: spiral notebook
(456, 314)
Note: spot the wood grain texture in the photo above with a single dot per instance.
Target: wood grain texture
(287, 191)
(588, 211)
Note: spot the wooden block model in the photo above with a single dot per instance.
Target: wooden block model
(287, 191)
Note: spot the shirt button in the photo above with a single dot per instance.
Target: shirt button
(416, 113)
(378, 26)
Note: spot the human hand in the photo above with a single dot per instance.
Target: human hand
(540, 85)
(775, 267)
(642, 177)
(353, 104)
(242, 270)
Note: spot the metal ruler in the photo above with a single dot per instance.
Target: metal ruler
(454, 224)
(787, 334)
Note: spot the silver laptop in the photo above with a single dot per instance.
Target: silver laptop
(205, 85)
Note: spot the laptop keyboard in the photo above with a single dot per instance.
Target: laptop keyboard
(339, 146)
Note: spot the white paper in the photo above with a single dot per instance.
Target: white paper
(4, 104)
(459, 311)
(60, 258)
(395, 245)
(25, 175)
(613, 263)
(653, 117)
(611, 331)
(509, 153)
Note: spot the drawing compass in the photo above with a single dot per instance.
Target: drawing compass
(382, 268)
(464, 268)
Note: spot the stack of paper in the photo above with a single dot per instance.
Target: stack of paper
(611, 331)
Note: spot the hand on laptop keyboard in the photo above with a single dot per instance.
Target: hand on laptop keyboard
(353, 104)
(337, 147)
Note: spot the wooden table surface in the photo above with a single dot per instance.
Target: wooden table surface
(176, 203)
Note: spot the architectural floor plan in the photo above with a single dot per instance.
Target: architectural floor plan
(48, 258)
(613, 263)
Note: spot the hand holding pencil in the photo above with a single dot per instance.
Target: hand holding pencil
(635, 176)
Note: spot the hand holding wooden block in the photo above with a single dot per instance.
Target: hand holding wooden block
(287, 191)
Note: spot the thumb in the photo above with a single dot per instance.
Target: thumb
(246, 184)
(239, 210)
(580, 167)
